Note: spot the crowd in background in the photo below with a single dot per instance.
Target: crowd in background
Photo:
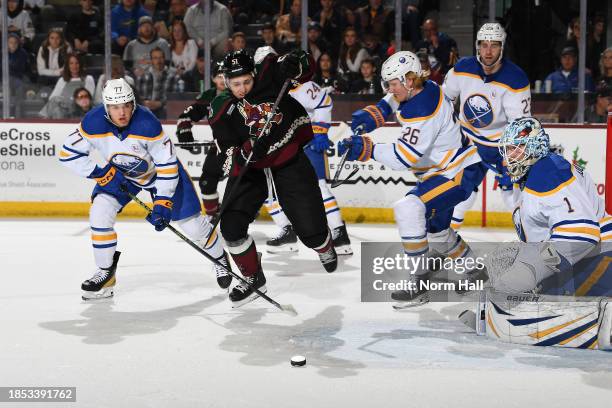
(55, 46)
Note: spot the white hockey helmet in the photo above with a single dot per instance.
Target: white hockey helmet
(262, 52)
(117, 91)
(397, 66)
(491, 32)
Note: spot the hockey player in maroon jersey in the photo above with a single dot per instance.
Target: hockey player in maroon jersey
(237, 119)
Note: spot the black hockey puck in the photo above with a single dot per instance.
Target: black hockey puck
(298, 361)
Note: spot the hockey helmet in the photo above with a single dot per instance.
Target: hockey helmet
(398, 65)
(490, 32)
(238, 63)
(116, 92)
(527, 135)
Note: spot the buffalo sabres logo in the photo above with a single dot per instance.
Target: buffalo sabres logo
(130, 165)
(255, 116)
(478, 111)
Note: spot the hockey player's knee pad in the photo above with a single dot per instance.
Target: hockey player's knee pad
(103, 211)
(410, 215)
(208, 184)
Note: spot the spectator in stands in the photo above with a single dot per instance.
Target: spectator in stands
(376, 19)
(440, 45)
(288, 26)
(178, 8)
(598, 112)
(221, 26)
(19, 22)
(325, 73)
(184, 49)
(18, 66)
(605, 67)
(81, 103)
(117, 71)
(238, 41)
(268, 36)
(85, 29)
(565, 79)
(596, 45)
(429, 63)
(73, 76)
(124, 19)
(51, 57)
(377, 52)
(154, 85)
(333, 19)
(194, 79)
(351, 55)
(411, 21)
(159, 11)
(316, 43)
(136, 55)
(369, 82)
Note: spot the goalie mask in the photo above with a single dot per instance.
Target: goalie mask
(398, 66)
(490, 32)
(523, 143)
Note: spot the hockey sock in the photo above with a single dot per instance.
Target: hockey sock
(102, 216)
(460, 210)
(211, 203)
(198, 228)
(244, 254)
(326, 245)
(277, 213)
(332, 211)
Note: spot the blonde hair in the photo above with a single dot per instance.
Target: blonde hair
(419, 80)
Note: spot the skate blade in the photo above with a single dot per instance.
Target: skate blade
(420, 301)
(105, 293)
(282, 249)
(252, 297)
(344, 250)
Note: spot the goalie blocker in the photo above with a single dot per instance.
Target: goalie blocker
(545, 320)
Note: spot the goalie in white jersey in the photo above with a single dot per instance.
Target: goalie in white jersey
(565, 252)
(139, 157)
(432, 146)
(492, 91)
(556, 202)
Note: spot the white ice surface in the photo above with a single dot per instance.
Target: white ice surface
(170, 339)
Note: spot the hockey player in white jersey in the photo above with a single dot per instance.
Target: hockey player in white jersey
(556, 202)
(553, 288)
(318, 105)
(492, 91)
(138, 156)
(432, 146)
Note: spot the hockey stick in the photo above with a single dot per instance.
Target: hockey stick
(194, 144)
(285, 308)
(243, 170)
(336, 180)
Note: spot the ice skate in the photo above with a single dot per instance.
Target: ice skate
(224, 279)
(342, 242)
(286, 241)
(102, 284)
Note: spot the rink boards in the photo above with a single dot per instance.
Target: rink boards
(33, 183)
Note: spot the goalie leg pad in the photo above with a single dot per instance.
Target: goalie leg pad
(541, 320)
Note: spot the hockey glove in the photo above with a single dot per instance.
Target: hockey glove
(259, 148)
(290, 65)
(320, 143)
(503, 181)
(184, 134)
(109, 179)
(359, 147)
(162, 213)
(369, 118)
